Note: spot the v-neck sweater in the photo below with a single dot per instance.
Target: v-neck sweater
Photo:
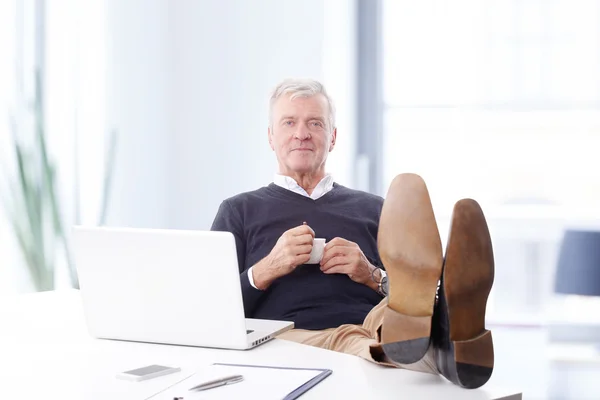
(307, 296)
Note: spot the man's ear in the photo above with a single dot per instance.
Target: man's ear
(270, 135)
(333, 139)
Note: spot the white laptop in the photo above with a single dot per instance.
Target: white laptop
(165, 286)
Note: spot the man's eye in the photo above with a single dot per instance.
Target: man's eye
(289, 123)
(317, 124)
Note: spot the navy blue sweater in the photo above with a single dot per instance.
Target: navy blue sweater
(307, 296)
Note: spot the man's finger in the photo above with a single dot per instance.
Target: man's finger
(338, 269)
(336, 242)
(302, 239)
(303, 230)
(336, 260)
(328, 255)
(331, 252)
(303, 249)
(301, 259)
(337, 245)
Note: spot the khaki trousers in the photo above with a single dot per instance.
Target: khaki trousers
(359, 340)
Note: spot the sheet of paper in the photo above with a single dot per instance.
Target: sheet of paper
(263, 383)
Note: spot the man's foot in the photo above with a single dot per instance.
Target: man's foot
(410, 248)
(464, 348)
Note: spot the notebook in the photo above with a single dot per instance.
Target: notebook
(260, 382)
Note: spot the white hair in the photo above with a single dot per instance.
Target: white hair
(301, 88)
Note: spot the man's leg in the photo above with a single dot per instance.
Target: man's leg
(373, 323)
(465, 350)
(410, 248)
(349, 339)
(359, 340)
(413, 322)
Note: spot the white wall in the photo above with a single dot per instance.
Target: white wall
(340, 75)
(225, 57)
(188, 87)
(137, 106)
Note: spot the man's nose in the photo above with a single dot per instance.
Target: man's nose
(302, 133)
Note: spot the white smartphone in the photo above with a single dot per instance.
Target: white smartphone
(149, 372)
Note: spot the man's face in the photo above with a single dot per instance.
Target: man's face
(300, 134)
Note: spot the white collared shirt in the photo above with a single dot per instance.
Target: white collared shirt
(322, 188)
(289, 183)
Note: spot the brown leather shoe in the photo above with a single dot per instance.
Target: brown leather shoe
(464, 348)
(411, 251)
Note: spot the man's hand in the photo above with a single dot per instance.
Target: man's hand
(292, 249)
(344, 257)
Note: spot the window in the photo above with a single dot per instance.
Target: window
(503, 106)
(499, 101)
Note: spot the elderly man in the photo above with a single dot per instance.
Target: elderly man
(383, 289)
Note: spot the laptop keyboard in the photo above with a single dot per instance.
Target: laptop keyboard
(249, 331)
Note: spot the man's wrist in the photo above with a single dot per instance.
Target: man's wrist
(378, 280)
(251, 277)
(260, 276)
(373, 285)
(374, 278)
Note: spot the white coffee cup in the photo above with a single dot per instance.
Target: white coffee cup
(317, 251)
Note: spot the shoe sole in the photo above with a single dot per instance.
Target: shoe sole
(467, 358)
(410, 248)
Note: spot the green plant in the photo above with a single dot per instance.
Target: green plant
(33, 206)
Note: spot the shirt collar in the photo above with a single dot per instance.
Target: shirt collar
(322, 188)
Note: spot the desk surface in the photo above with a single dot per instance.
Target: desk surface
(46, 352)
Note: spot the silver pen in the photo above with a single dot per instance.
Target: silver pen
(226, 380)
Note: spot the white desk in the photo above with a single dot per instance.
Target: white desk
(46, 353)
